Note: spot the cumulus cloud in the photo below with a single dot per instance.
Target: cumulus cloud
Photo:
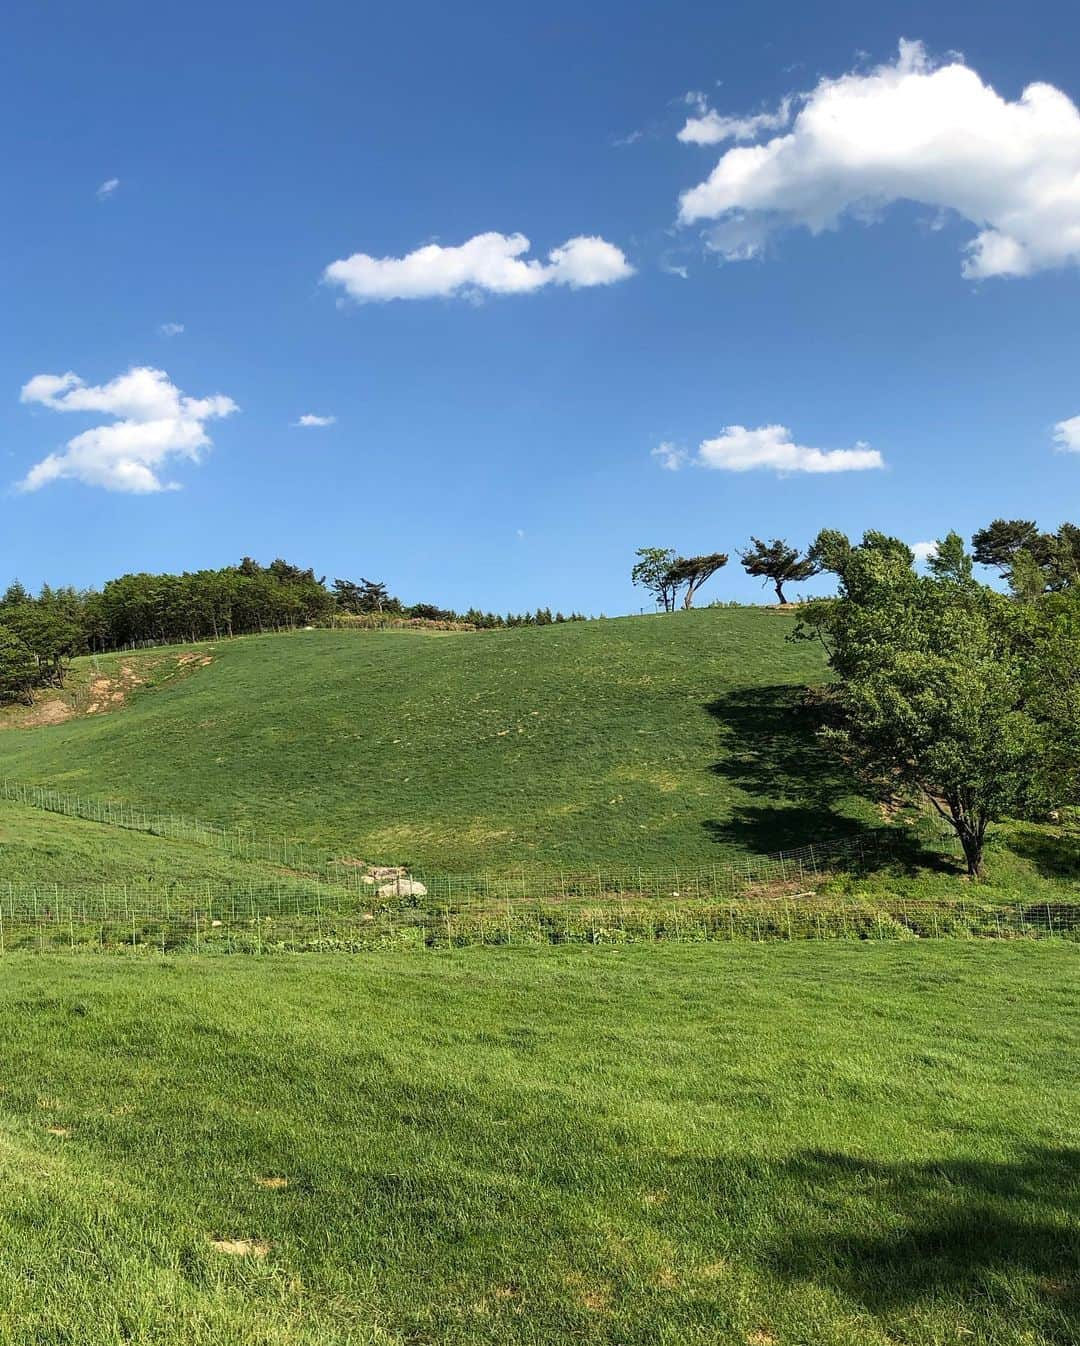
(107, 188)
(909, 130)
(710, 128)
(770, 447)
(310, 421)
(170, 329)
(153, 422)
(1067, 435)
(923, 551)
(488, 263)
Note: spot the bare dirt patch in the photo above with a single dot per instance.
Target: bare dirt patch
(241, 1247)
(53, 711)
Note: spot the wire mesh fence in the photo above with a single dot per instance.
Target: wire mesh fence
(219, 918)
(308, 859)
(323, 905)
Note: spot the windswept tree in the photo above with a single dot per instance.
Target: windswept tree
(652, 571)
(937, 690)
(1033, 562)
(779, 563)
(693, 571)
(998, 543)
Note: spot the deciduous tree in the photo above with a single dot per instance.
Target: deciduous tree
(936, 692)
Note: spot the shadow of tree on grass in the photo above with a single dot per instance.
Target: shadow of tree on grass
(771, 748)
(1054, 857)
(889, 1235)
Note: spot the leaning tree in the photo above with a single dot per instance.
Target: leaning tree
(693, 571)
(778, 562)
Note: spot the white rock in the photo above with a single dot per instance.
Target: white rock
(403, 888)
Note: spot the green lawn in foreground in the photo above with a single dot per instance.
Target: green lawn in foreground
(852, 1145)
(638, 741)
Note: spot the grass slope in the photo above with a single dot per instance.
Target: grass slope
(43, 848)
(847, 1145)
(634, 741)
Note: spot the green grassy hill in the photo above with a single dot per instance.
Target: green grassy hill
(638, 741)
(41, 848)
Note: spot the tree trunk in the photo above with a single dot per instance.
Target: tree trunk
(973, 853)
(779, 590)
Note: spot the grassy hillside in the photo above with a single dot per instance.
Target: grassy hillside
(43, 848)
(846, 1145)
(635, 741)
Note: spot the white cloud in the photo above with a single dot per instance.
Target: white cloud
(1067, 435)
(154, 422)
(936, 135)
(670, 456)
(738, 449)
(310, 420)
(710, 128)
(107, 188)
(170, 329)
(488, 263)
(923, 551)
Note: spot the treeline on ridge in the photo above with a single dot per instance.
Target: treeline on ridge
(38, 634)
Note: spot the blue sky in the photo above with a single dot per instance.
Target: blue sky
(497, 447)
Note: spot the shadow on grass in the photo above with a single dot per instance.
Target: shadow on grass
(958, 1230)
(1054, 857)
(772, 749)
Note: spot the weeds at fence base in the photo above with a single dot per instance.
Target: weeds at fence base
(76, 927)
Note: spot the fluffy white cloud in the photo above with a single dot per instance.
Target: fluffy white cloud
(911, 131)
(309, 421)
(153, 422)
(738, 449)
(488, 263)
(107, 188)
(170, 329)
(710, 128)
(923, 551)
(1067, 435)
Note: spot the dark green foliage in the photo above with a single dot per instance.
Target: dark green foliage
(999, 542)
(652, 571)
(1032, 561)
(940, 688)
(18, 667)
(778, 562)
(693, 571)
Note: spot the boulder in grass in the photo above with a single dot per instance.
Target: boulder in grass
(403, 887)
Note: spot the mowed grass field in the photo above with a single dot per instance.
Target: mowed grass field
(636, 741)
(836, 1145)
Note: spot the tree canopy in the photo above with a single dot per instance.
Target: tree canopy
(948, 689)
(779, 562)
